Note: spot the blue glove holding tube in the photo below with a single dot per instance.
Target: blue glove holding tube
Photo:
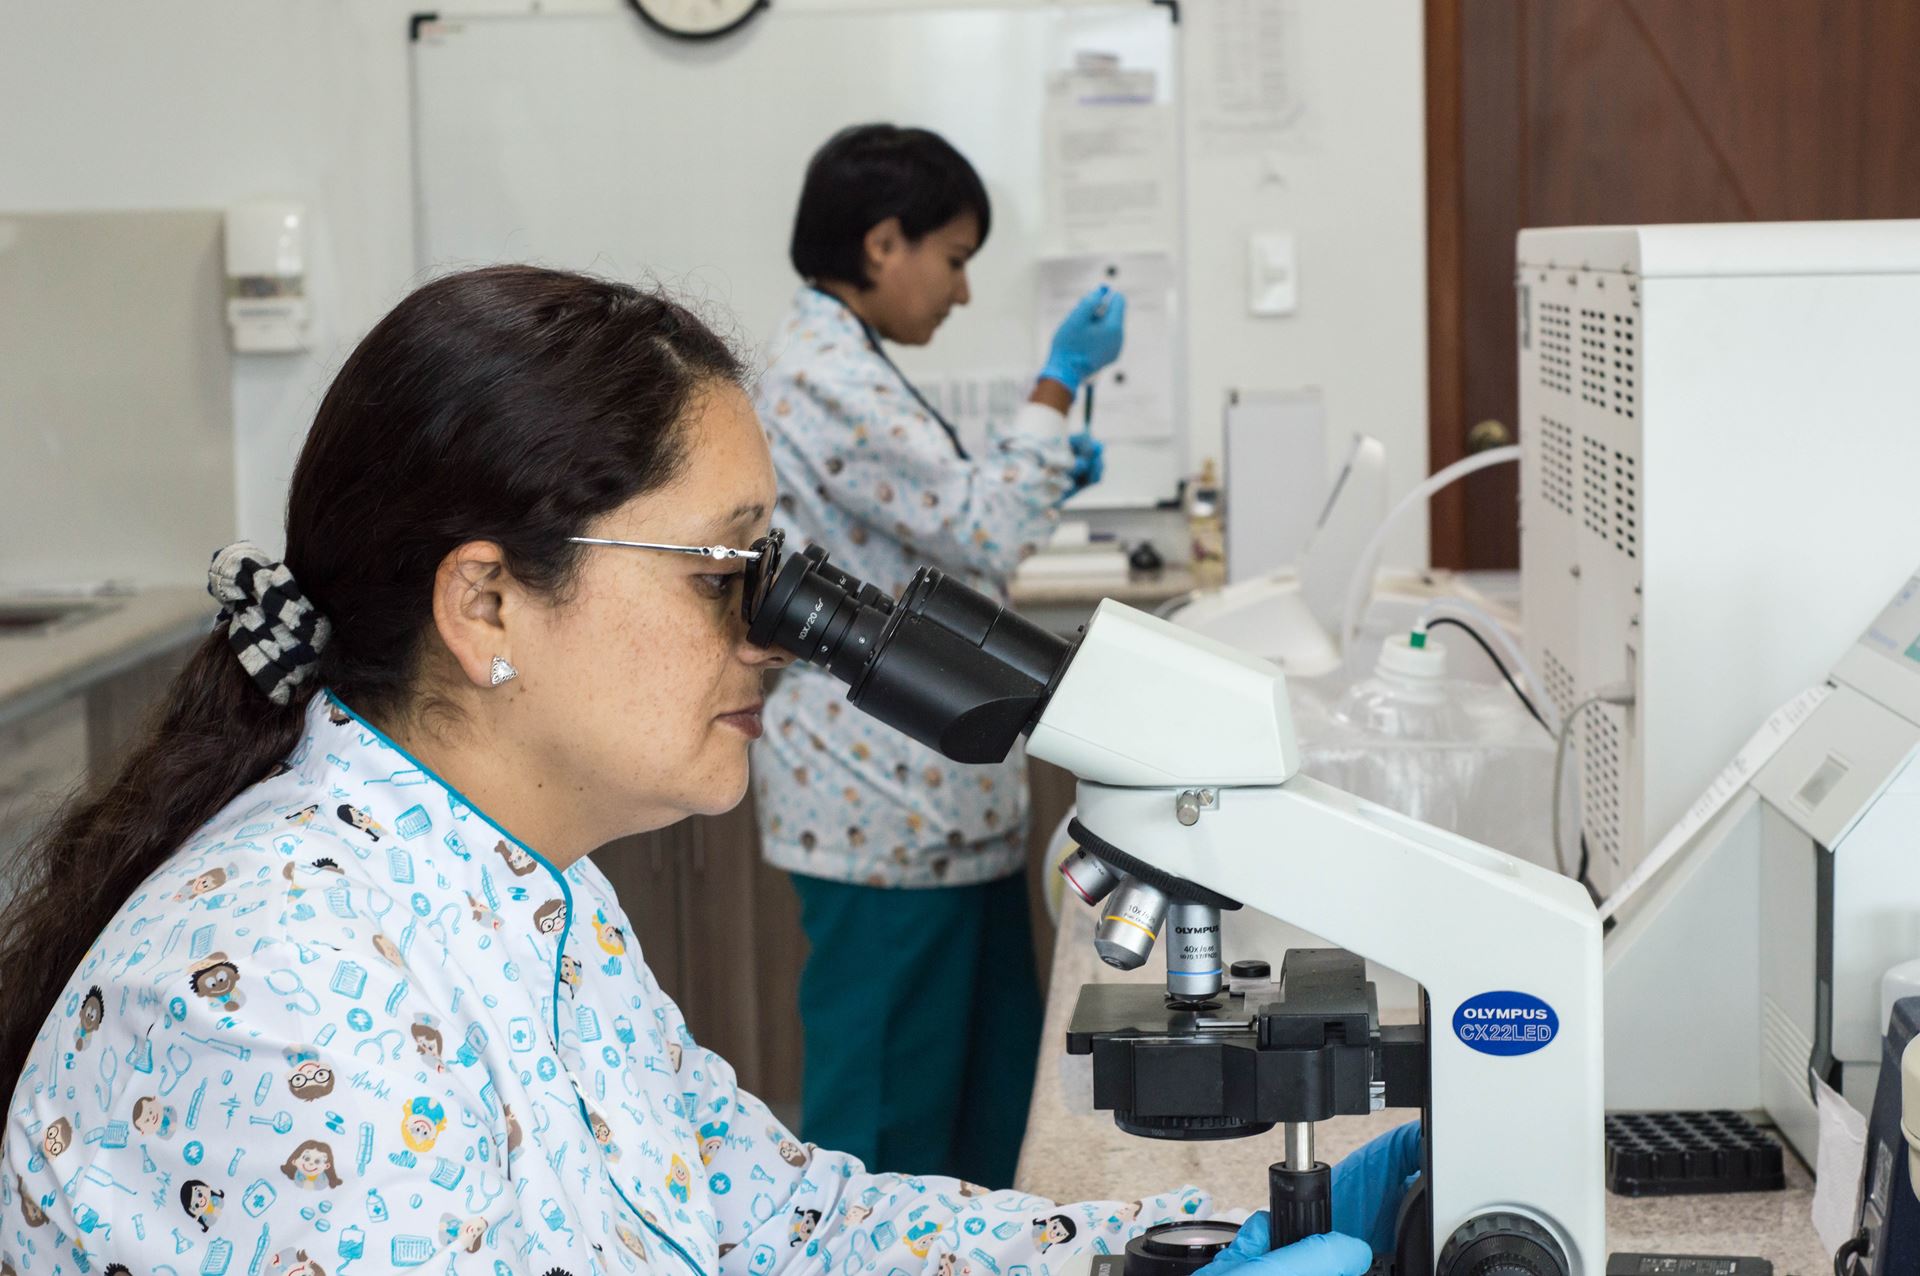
(1088, 339)
(1368, 1187)
(1089, 460)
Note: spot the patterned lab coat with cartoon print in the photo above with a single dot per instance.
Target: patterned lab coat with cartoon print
(866, 471)
(354, 1025)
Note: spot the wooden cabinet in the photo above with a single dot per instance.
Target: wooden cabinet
(721, 930)
(47, 754)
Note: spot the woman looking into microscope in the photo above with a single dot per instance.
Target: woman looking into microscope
(323, 969)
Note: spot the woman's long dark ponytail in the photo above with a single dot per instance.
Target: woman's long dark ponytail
(510, 404)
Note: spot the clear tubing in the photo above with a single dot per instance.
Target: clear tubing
(1494, 632)
(1360, 587)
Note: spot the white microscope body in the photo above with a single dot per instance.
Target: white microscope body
(1185, 754)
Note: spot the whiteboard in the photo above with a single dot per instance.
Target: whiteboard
(591, 142)
(116, 399)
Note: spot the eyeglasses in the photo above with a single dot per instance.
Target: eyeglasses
(762, 559)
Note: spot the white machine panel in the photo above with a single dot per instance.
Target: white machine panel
(1763, 946)
(1721, 428)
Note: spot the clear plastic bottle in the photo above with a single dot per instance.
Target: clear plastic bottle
(1408, 697)
(1461, 755)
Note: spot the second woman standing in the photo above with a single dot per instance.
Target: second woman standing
(919, 997)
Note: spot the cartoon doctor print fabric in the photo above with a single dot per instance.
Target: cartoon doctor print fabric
(865, 470)
(353, 1026)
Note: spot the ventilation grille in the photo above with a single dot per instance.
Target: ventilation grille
(1559, 683)
(1787, 1047)
(1626, 366)
(1556, 347)
(1556, 464)
(1610, 495)
(1594, 489)
(1600, 782)
(1626, 504)
(1609, 362)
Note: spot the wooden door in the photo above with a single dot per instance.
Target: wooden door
(1601, 112)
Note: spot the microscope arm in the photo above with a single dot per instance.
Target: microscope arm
(1185, 753)
(1516, 1122)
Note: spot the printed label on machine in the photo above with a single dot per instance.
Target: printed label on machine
(1505, 1023)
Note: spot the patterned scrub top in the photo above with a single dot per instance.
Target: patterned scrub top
(866, 470)
(352, 1025)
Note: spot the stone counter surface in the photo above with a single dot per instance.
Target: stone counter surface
(1081, 1155)
(40, 668)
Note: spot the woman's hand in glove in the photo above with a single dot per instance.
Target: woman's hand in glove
(1088, 339)
(1368, 1187)
(1329, 1254)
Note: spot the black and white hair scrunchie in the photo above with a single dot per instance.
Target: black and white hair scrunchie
(274, 628)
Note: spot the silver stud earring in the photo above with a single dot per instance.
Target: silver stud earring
(502, 671)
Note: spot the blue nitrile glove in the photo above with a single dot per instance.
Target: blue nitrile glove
(1368, 1187)
(1083, 344)
(1370, 1183)
(1329, 1254)
(1089, 459)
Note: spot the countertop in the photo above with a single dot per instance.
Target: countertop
(43, 667)
(1135, 589)
(1081, 1155)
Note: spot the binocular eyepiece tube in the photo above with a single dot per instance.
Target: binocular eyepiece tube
(944, 664)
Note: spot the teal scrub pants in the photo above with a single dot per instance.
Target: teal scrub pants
(921, 1012)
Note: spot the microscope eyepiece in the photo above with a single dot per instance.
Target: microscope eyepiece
(821, 614)
(945, 664)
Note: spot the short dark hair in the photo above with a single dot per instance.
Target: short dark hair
(868, 173)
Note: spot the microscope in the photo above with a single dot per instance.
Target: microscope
(1191, 804)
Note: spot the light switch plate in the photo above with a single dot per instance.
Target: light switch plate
(1272, 273)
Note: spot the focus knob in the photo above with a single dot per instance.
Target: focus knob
(1501, 1245)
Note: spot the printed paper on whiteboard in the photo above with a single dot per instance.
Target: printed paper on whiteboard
(1250, 97)
(1109, 161)
(1134, 396)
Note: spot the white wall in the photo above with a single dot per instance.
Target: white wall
(1353, 192)
(109, 105)
(118, 106)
